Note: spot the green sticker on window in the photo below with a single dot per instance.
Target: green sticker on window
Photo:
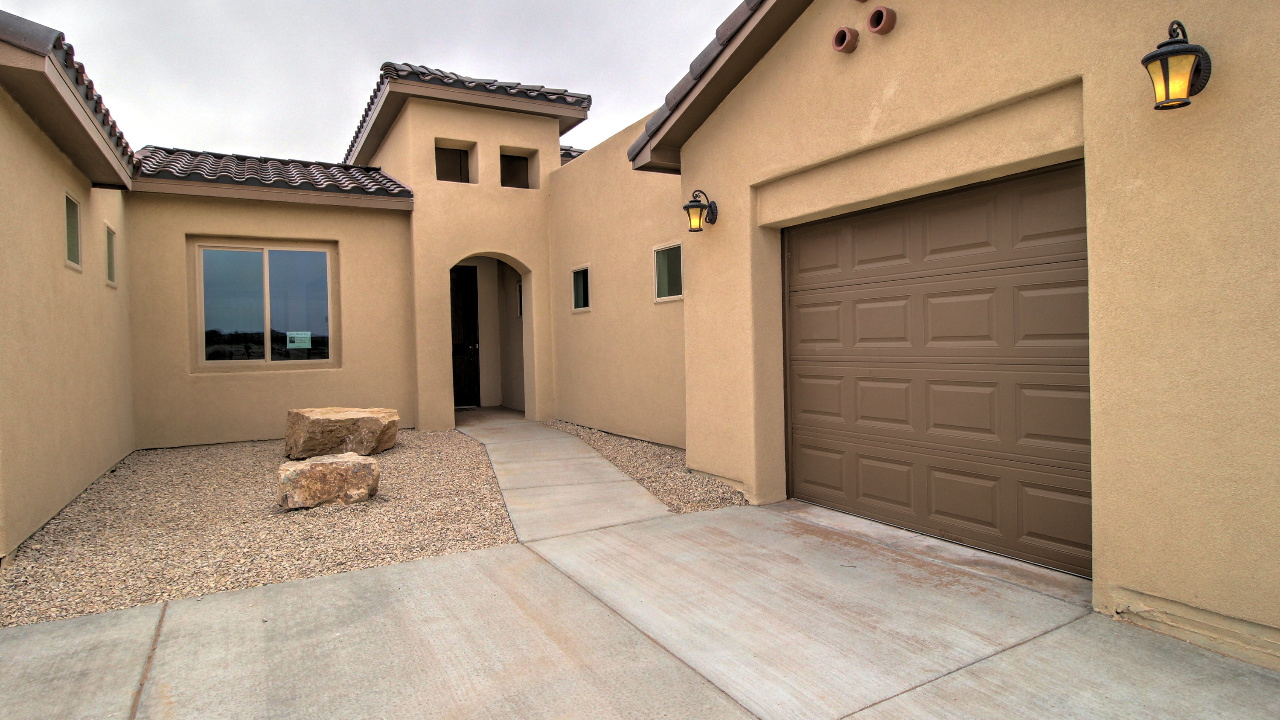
(298, 340)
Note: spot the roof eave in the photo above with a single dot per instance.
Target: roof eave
(202, 188)
(760, 32)
(395, 93)
(45, 93)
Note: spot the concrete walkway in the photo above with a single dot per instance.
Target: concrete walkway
(611, 608)
(553, 483)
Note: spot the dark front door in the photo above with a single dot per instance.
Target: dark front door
(466, 336)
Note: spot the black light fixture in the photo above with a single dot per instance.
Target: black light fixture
(701, 212)
(1178, 69)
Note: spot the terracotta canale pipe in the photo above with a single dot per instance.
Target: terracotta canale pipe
(845, 40)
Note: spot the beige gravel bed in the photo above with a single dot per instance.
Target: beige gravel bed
(659, 468)
(170, 524)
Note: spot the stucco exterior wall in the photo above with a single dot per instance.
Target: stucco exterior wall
(66, 412)
(511, 327)
(454, 221)
(620, 366)
(178, 403)
(1182, 207)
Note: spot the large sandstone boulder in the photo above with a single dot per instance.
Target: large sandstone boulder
(328, 431)
(346, 478)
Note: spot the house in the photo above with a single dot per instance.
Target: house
(963, 279)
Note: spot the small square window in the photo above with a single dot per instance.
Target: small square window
(669, 272)
(515, 171)
(111, 255)
(453, 165)
(581, 290)
(73, 232)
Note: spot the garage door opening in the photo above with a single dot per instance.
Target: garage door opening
(938, 366)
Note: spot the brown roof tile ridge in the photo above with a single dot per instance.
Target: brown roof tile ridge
(51, 43)
(231, 168)
(724, 34)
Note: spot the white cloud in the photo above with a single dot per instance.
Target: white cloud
(290, 78)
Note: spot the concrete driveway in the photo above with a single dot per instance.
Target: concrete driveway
(787, 611)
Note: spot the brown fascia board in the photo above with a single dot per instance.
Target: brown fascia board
(672, 126)
(45, 93)
(269, 194)
(395, 93)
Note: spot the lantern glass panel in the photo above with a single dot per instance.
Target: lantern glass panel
(1180, 68)
(696, 215)
(1156, 68)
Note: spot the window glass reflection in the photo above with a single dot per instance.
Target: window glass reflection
(234, 313)
(299, 305)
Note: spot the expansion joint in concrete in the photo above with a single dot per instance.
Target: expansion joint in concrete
(953, 671)
(146, 667)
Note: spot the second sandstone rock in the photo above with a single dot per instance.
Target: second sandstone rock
(326, 431)
(346, 478)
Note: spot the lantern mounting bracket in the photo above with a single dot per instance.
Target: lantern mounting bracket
(712, 211)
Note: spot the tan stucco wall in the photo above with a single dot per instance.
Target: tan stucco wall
(65, 403)
(620, 366)
(511, 327)
(1182, 207)
(453, 221)
(179, 404)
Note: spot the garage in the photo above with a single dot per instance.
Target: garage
(938, 366)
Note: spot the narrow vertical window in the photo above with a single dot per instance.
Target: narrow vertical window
(234, 309)
(581, 290)
(519, 300)
(299, 305)
(73, 232)
(111, 255)
(669, 272)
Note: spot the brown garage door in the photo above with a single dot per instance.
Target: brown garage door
(938, 366)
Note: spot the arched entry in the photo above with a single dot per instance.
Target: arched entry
(487, 313)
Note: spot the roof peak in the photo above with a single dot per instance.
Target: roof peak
(567, 102)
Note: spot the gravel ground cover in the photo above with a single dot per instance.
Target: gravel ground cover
(659, 468)
(170, 524)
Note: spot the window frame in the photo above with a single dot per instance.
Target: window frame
(657, 249)
(111, 270)
(573, 295)
(78, 263)
(199, 363)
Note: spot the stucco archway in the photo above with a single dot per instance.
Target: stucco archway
(506, 334)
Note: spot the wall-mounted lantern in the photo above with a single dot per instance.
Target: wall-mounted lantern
(701, 212)
(1178, 69)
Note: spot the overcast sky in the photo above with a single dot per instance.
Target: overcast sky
(290, 78)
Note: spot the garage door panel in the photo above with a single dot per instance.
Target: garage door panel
(938, 366)
(1049, 210)
(1035, 219)
(960, 227)
(1036, 513)
(965, 498)
(1039, 414)
(1010, 315)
